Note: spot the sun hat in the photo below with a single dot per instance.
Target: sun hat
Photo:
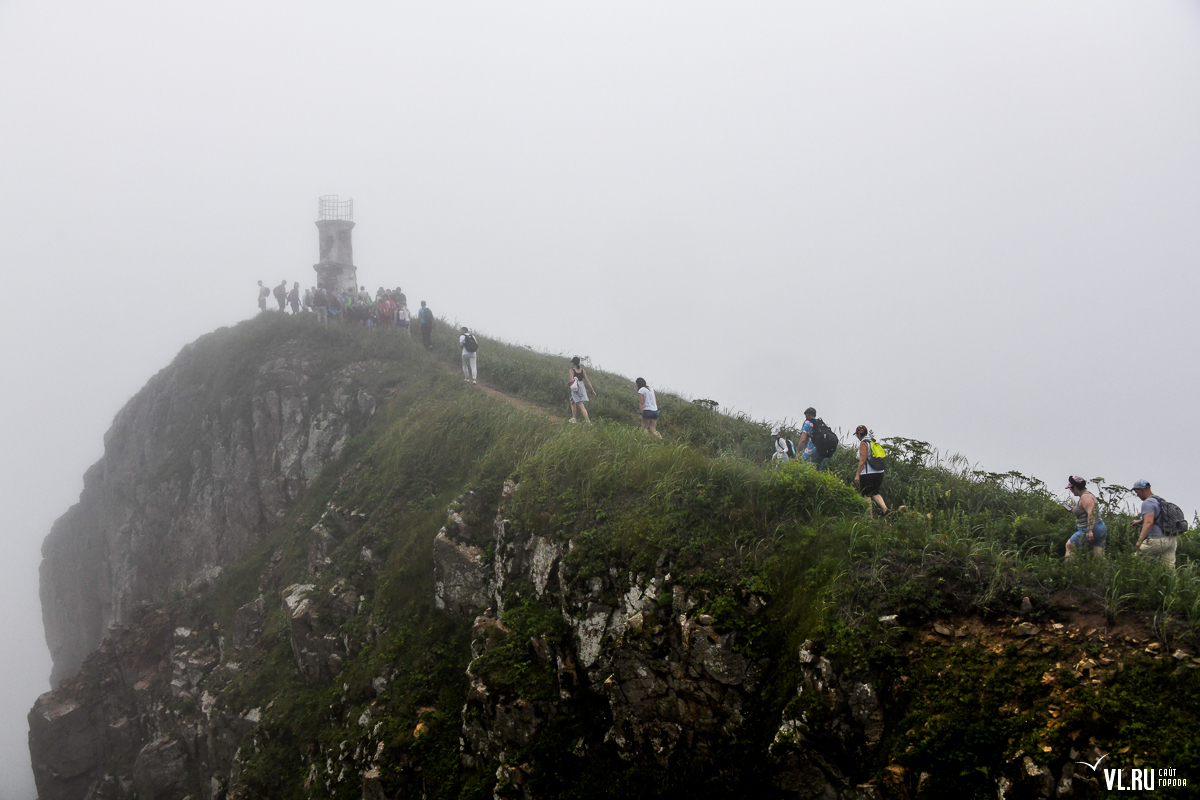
(774, 431)
(1142, 484)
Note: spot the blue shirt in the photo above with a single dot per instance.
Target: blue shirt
(1151, 506)
(810, 447)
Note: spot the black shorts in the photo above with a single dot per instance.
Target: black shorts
(869, 484)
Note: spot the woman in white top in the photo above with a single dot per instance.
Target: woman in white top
(869, 479)
(648, 406)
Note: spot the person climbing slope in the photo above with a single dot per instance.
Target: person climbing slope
(470, 348)
(783, 453)
(579, 384)
(1090, 530)
(868, 476)
(648, 407)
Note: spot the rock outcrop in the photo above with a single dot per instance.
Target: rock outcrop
(194, 470)
(672, 681)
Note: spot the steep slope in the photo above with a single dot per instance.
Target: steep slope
(474, 599)
(196, 467)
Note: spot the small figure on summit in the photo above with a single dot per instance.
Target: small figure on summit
(1090, 530)
(281, 294)
(293, 297)
(872, 461)
(578, 383)
(470, 347)
(263, 294)
(648, 406)
(321, 304)
(425, 316)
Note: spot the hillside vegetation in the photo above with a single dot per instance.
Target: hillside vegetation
(783, 566)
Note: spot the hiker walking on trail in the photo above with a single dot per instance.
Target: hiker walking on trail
(469, 349)
(402, 317)
(648, 406)
(783, 453)
(868, 476)
(578, 383)
(294, 297)
(263, 294)
(817, 441)
(425, 315)
(1090, 530)
(1152, 540)
(281, 294)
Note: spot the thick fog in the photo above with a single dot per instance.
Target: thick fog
(975, 224)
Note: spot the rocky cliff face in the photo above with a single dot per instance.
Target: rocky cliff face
(193, 472)
(385, 646)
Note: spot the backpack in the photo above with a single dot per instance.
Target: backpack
(1170, 518)
(876, 455)
(321, 299)
(824, 439)
(791, 448)
(469, 343)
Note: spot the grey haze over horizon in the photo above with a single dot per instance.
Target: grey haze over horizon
(976, 225)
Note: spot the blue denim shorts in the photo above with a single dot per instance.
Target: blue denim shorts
(1099, 535)
(649, 415)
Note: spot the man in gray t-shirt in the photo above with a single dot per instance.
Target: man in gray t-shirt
(1151, 539)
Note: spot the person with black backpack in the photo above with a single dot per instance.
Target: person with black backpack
(1161, 522)
(872, 461)
(785, 451)
(817, 441)
(469, 349)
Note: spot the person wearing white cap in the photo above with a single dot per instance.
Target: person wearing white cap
(781, 446)
(1152, 541)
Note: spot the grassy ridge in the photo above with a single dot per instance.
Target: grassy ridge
(706, 495)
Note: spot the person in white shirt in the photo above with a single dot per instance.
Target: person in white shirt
(781, 448)
(469, 346)
(648, 406)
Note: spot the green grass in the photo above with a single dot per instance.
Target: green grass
(704, 502)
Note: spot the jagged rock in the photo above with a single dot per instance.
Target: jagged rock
(314, 627)
(160, 771)
(460, 576)
(321, 543)
(247, 623)
(1026, 629)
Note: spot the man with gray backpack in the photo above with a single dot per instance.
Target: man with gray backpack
(1161, 523)
(817, 441)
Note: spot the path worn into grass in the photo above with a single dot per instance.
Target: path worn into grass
(508, 398)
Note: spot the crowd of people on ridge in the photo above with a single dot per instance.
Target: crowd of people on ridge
(1158, 521)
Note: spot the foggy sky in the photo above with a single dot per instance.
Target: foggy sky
(972, 224)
